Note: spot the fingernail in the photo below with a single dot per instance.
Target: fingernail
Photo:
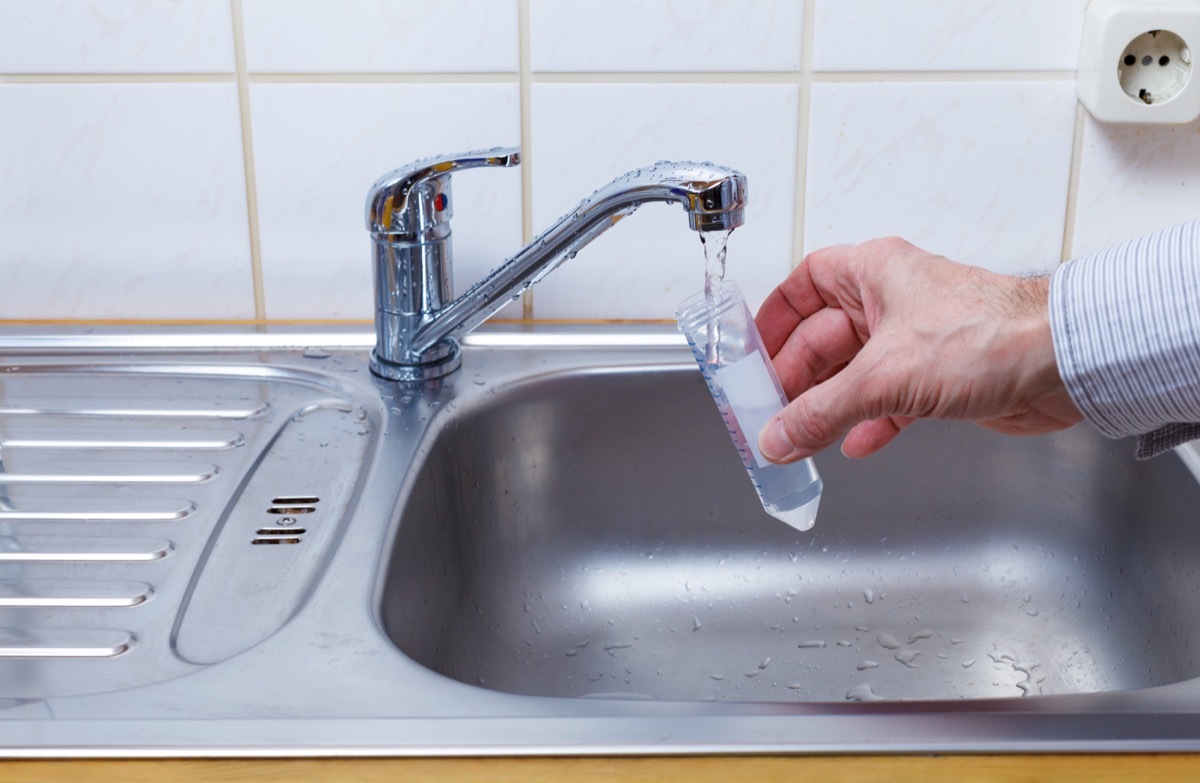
(774, 443)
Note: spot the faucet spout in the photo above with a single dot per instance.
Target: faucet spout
(714, 198)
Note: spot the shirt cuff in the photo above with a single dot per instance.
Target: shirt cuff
(1126, 330)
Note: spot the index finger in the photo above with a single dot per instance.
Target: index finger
(798, 297)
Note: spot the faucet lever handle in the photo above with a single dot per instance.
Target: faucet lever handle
(414, 201)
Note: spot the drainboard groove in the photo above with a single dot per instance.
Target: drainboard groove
(35, 593)
(56, 643)
(82, 549)
(98, 510)
(213, 444)
(86, 409)
(162, 474)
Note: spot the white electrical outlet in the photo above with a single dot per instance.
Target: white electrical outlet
(1137, 61)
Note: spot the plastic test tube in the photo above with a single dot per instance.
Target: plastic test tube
(747, 392)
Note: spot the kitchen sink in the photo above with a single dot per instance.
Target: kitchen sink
(592, 534)
(243, 543)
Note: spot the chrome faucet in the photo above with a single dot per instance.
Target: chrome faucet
(418, 325)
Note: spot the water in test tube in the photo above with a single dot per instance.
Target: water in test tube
(729, 350)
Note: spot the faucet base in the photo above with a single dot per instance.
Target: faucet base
(416, 372)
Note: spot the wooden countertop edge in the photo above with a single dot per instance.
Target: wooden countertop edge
(694, 769)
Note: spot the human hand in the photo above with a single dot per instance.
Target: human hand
(868, 338)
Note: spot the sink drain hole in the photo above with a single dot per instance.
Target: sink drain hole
(287, 508)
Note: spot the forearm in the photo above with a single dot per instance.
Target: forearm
(1126, 330)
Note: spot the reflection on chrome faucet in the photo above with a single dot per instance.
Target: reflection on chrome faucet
(418, 323)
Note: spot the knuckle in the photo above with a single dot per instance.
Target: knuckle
(809, 425)
(890, 246)
(896, 244)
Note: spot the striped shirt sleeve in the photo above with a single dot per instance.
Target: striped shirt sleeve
(1126, 330)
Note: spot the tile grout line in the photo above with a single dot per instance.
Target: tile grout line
(525, 89)
(665, 77)
(391, 77)
(548, 77)
(802, 130)
(1073, 184)
(116, 78)
(1037, 75)
(243, 88)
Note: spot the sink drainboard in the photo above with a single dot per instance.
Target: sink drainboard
(129, 502)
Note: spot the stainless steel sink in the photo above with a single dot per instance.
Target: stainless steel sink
(590, 533)
(553, 550)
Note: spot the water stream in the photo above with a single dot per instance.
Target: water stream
(714, 243)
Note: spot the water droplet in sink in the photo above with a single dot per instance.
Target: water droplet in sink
(924, 633)
(887, 641)
(907, 657)
(863, 692)
(811, 644)
(869, 595)
(314, 352)
(867, 665)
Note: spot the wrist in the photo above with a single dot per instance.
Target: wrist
(1040, 376)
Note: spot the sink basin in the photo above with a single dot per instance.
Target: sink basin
(593, 534)
(553, 550)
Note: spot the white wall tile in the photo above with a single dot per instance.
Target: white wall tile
(1134, 180)
(669, 35)
(318, 148)
(420, 36)
(122, 200)
(938, 35)
(975, 171)
(586, 135)
(115, 36)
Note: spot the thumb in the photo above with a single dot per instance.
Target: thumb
(817, 418)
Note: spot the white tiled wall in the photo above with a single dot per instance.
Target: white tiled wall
(208, 159)
(970, 170)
